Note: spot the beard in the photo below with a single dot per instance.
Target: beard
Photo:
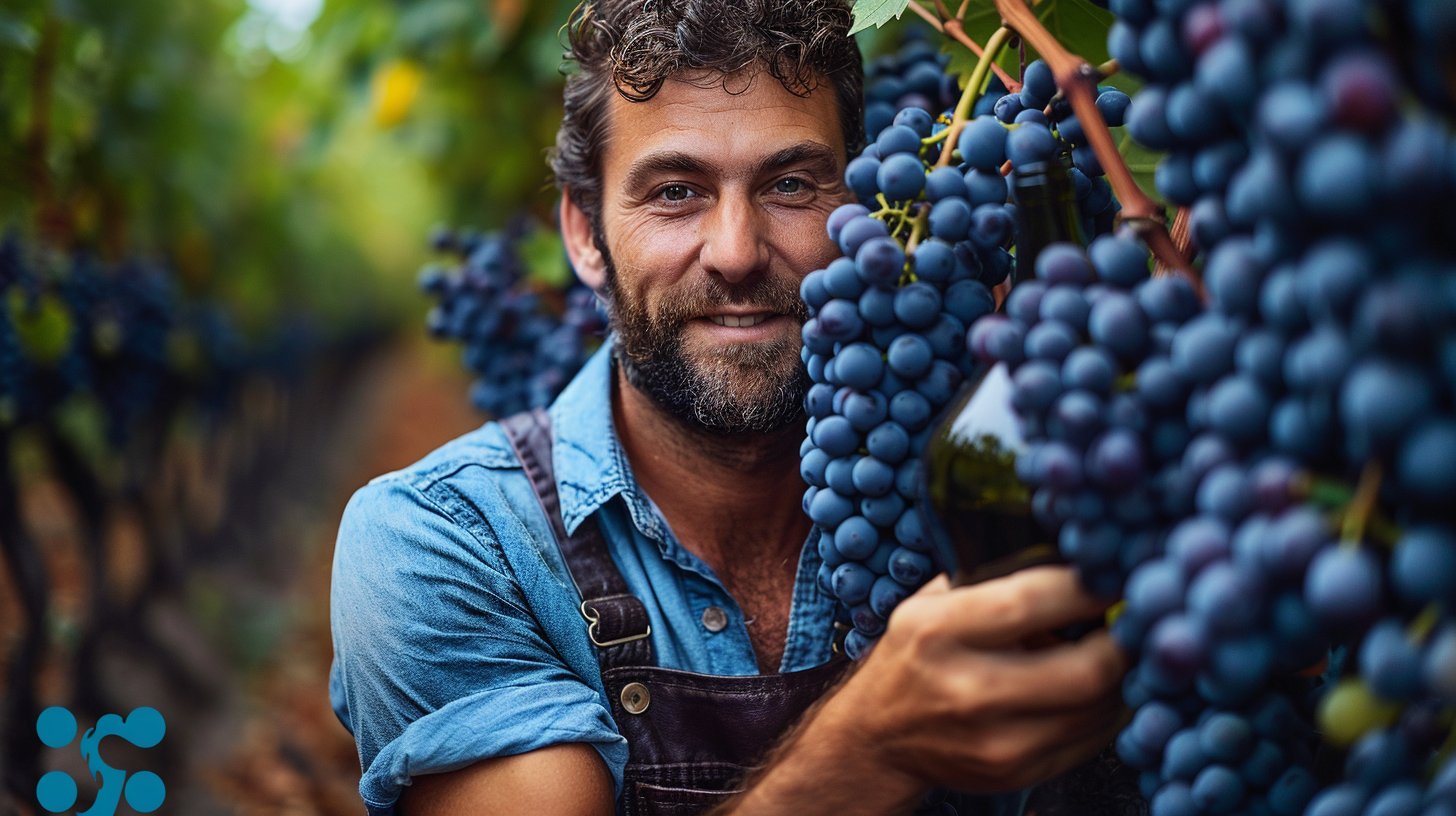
(725, 389)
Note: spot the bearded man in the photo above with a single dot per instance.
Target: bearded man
(611, 606)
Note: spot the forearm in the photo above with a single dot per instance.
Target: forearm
(826, 765)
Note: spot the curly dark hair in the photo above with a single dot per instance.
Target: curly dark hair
(631, 47)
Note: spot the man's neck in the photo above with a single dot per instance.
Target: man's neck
(733, 500)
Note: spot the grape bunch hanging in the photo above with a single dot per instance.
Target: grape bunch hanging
(1258, 458)
(886, 342)
(524, 338)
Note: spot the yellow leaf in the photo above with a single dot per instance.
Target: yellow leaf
(395, 87)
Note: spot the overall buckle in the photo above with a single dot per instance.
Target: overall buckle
(593, 619)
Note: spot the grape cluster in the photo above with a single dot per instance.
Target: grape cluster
(1322, 363)
(523, 338)
(1072, 340)
(122, 336)
(886, 342)
(912, 77)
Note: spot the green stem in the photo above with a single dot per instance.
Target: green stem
(1420, 628)
(939, 137)
(1363, 505)
(975, 86)
(917, 231)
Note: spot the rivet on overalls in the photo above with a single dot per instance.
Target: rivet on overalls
(635, 698)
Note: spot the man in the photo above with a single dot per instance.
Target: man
(492, 660)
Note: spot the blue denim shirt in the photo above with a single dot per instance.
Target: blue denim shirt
(456, 631)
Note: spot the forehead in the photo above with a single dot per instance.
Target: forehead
(732, 122)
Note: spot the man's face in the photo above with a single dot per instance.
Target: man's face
(713, 210)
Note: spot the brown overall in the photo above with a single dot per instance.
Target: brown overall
(691, 738)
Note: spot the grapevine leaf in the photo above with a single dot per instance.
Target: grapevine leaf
(1078, 25)
(545, 261)
(962, 62)
(1141, 161)
(44, 328)
(876, 13)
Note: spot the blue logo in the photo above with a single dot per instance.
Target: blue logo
(144, 791)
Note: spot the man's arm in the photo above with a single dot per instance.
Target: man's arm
(441, 660)
(954, 695)
(568, 779)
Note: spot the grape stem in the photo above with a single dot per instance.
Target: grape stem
(1363, 505)
(1420, 628)
(927, 15)
(952, 27)
(917, 231)
(939, 137)
(1182, 238)
(957, 32)
(972, 92)
(1078, 80)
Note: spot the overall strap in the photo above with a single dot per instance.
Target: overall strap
(617, 622)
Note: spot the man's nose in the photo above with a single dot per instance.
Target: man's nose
(734, 240)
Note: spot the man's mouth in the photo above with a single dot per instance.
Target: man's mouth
(741, 321)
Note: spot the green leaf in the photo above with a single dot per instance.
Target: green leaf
(1141, 161)
(545, 259)
(962, 62)
(876, 13)
(1077, 24)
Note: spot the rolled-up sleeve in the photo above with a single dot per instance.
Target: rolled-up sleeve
(439, 661)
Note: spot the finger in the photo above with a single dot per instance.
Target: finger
(1015, 752)
(1063, 677)
(1006, 610)
(1072, 753)
(939, 585)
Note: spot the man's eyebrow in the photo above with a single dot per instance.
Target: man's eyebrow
(654, 164)
(820, 157)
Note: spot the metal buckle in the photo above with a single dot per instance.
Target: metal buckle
(592, 618)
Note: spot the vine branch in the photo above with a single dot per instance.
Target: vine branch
(1078, 80)
(927, 15)
(952, 27)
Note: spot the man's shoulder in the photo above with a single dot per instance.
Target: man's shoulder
(467, 501)
(485, 448)
(460, 484)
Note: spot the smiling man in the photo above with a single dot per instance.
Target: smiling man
(611, 605)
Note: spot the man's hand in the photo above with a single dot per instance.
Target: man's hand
(954, 695)
(568, 779)
(964, 690)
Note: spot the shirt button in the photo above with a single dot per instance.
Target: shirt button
(715, 619)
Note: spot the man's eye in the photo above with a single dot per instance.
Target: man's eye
(789, 185)
(676, 192)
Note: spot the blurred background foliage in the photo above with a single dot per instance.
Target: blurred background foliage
(279, 163)
(281, 153)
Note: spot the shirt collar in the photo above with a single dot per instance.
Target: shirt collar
(591, 465)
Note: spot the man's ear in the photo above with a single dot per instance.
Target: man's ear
(576, 234)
